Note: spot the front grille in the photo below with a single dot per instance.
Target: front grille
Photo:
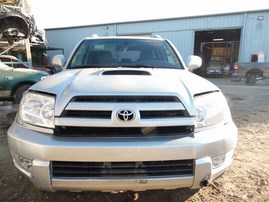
(98, 116)
(156, 114)
(69, 131)
(87, 114)
(122, 169)
(163, 114)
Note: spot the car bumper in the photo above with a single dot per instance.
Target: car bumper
(33, 152)
(214, 72)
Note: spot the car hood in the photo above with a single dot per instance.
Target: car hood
(121, 81)
(214, 67)
(29, 71)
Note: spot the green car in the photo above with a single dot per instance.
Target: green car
(14, 81)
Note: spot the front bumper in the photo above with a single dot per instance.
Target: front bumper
(217, 71)
(41, 149)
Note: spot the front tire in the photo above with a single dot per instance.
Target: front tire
(19, 92)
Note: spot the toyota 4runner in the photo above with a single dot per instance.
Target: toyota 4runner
(125, 114)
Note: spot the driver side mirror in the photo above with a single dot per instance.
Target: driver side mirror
(58, 61)
(194, 62)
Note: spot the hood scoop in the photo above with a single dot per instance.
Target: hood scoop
(126, 72)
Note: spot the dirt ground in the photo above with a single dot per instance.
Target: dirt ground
(246, 180)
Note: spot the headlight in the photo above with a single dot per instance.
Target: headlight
(37, 109)
(211, 109)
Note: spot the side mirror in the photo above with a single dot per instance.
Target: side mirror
(194, 62)
(58, 61)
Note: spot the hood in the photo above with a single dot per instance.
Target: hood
(215, 66)
(30, 71)
(121, 81)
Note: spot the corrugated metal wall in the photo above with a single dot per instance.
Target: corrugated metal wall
(181, 31)
(183, 40)
(68, 38)
(255, 36)
(193, 23)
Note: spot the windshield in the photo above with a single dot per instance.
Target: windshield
(124, 53)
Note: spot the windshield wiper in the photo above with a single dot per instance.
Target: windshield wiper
(93, 66)
(140, 66)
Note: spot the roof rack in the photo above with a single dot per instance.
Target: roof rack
(156, 36)
(94, 36)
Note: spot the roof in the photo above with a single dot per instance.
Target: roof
(157, 37)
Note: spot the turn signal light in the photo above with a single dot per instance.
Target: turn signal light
(26, 163)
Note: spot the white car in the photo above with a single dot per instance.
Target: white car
(125, 114)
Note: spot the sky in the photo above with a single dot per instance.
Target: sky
(69, 13)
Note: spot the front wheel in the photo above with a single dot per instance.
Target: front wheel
(19, 92)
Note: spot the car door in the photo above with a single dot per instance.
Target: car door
(6, 75)
(1, 81)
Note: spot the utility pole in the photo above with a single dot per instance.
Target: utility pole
(27, 41)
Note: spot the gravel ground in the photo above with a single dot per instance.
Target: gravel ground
(246, 180)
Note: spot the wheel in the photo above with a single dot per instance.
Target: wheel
(251, 79)
(19, 92)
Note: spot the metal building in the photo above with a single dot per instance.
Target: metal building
(230, 37)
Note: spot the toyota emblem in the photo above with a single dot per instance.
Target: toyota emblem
(125, 115)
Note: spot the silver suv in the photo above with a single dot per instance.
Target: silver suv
(125, 114)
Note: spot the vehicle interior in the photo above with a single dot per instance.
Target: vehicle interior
(124, 53)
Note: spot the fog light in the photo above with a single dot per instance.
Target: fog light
(25, 163)
(217, 161)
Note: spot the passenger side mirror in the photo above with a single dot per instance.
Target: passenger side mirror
(58, 61)
(194, 62)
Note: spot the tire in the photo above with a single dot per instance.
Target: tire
(251, 79)
(235, 79)
(19, 92)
